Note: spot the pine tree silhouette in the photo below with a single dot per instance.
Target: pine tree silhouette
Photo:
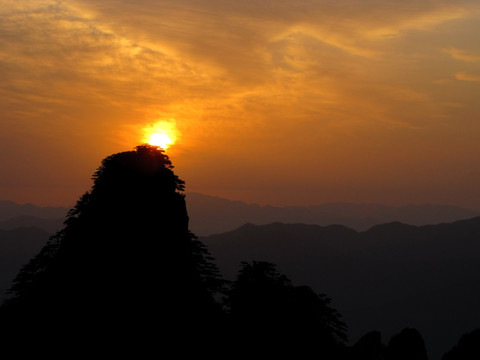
(273, 318)
(125, 267)
(407, 344)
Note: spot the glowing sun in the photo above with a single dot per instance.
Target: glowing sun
(160, 139)
(162, 134)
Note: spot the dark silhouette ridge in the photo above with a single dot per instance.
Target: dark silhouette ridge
(368, 347)
(125, 272)
(272, 318)
(214, 215)
(468, 347)
(408, 344)
(390, 277)
(126, 276)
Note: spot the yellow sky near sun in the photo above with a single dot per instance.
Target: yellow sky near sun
(273, 102)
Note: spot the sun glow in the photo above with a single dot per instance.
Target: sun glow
(160, 139)
(162, 134)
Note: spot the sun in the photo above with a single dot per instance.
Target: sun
(160, 139)
(162, 134)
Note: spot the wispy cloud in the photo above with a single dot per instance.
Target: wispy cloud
(467, 76)
(463, 55)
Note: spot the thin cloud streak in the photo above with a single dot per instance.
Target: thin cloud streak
(467, 77)
(463, 55)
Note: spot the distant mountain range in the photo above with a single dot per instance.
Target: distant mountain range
(10, 209)
(49, 225)
(210, 214)
(387, 278)
(13, 216)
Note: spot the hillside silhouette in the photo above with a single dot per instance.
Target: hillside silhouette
(388, 278)
(126, 276)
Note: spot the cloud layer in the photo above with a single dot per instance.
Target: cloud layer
(274, 102)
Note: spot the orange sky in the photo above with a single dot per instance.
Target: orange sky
(274, 102)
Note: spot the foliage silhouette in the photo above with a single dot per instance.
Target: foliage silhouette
(124, 261)
(271, 316)
(408, 344)
(368, 347)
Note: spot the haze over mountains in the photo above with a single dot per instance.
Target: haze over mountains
(210, 215)
(10, 209)
(13, 216)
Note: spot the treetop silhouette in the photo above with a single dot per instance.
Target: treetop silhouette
(271, 315)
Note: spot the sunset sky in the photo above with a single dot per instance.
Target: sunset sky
(271, 102)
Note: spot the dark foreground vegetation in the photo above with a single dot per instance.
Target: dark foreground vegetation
(126, 276)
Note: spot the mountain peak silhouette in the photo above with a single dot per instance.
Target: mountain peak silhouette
(124, 259)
